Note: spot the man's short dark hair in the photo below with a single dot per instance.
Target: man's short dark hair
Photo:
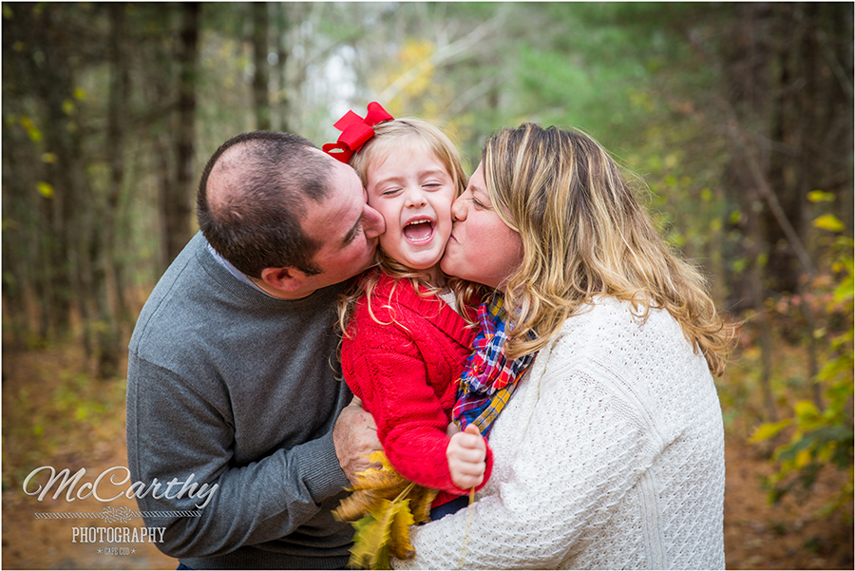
(255, 223)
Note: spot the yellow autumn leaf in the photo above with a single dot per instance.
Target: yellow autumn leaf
(33, 131)
(769, 430)
(415, 51)
(383, 533)
(369, 544)
(671, 161)
(45, 189)
(385, 483)
(802, 458)
(421, 499)
(806, 410)
(381, 508)
(399, 531)
(825, 453)
(820, 196)
(828, 222)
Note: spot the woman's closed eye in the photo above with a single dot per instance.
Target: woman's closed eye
(478, 204)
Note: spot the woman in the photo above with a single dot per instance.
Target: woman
(610, 453)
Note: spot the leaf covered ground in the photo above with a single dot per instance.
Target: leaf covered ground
(54, 414)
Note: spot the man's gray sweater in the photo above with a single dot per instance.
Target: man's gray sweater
(229, 386)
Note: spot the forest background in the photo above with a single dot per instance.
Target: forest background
(739, 118)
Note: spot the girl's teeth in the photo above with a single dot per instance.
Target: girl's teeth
(418, 231)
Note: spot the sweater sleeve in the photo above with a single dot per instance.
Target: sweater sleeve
(176, 433)
(580, 452)
(385, 368)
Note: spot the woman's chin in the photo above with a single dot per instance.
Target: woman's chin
(447, 265)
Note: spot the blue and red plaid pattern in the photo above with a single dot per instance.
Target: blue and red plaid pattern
(489, 378)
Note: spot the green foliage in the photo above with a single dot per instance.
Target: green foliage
(822, 437)
(587, 77)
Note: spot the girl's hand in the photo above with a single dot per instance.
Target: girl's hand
(452, 429)
(467, 453)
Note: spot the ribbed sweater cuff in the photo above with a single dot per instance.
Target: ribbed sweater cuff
(322, 482)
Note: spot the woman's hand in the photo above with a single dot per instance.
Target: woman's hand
(466, 455)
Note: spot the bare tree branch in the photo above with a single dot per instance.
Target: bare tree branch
(442, 56)
(739, 138)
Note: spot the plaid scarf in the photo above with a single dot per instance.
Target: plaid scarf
(488, 379)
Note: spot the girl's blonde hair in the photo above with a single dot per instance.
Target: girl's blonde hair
(585, 233)
(389, 137)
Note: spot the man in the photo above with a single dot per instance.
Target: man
(233, 377)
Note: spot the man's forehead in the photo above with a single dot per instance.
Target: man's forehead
(343, 204)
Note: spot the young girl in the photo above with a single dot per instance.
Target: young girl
(404, 344)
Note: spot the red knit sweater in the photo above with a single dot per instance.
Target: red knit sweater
(405, 370)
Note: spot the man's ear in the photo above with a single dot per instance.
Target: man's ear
(285, 279)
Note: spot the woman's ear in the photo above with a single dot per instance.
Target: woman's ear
(285, 279)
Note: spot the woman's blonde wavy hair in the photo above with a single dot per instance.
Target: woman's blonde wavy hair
(389, 137)
(585, 233)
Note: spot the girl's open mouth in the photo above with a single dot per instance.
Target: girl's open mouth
(418, 231)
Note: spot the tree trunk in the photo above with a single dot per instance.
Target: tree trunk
(109, 336)
(177, 210)
(68, 241)
(746, 67)
(805, 57)
(283, 94)
(261, 77)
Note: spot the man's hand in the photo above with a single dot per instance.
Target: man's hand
(354, 438)
(467, 453)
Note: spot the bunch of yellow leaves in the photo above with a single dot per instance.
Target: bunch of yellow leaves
(381, 509)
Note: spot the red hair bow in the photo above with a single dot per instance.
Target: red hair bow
(355, 131)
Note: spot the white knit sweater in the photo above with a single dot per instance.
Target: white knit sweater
(610, 455)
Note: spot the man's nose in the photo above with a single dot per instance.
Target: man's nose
(374, 223)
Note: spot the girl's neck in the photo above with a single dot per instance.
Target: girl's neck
(431, 277)
(434, 277)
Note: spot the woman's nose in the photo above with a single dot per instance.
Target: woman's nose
(458, 208)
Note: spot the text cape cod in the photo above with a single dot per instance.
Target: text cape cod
(118, 476)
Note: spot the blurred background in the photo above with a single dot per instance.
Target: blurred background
(738, 116)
